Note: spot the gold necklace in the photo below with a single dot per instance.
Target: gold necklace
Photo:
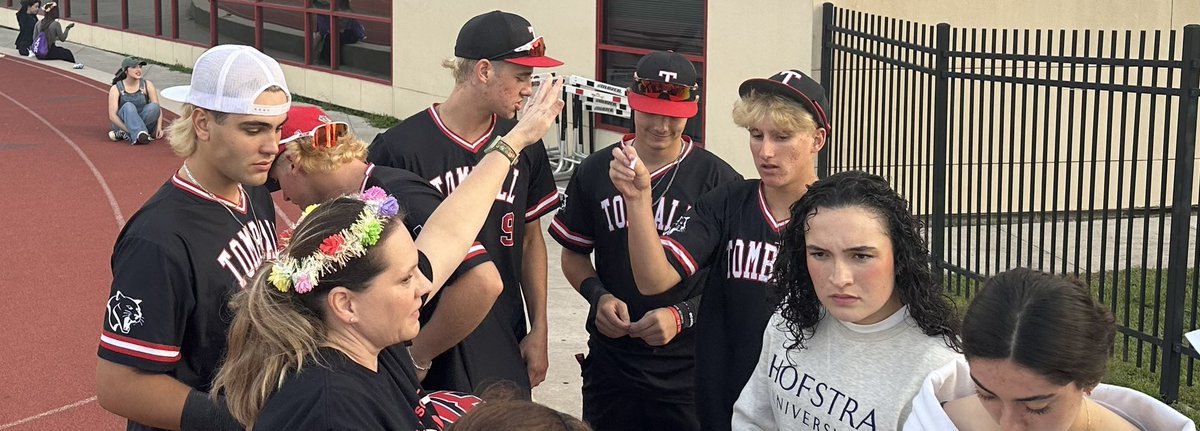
(1087, 410)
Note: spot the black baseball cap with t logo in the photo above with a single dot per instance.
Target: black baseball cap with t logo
(504, 36)
(665, 84)
(795, 85)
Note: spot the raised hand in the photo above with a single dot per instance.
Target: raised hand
(631, 182)
(539, 115)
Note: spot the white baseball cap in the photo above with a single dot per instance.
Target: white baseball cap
(228, 78)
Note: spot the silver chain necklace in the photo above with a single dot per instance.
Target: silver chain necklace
(675, 170)
(212, 196)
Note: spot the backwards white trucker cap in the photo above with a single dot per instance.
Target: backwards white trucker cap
(228, 78)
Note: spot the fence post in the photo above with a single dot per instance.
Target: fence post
(827, 10)
(941, 125)
(1181, 213)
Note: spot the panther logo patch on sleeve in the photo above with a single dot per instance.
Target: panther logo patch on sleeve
(123, 313)
(679, 226)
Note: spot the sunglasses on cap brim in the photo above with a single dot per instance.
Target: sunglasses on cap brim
(673, 92)
(535, 47)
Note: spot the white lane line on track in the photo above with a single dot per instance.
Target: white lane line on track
(112, 200)
(47, 413)
(284, 216)
(62, 73)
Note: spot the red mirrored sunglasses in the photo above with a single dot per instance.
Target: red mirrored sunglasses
(536, 48)
(674, 92)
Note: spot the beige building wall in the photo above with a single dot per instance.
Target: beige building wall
(745, 39)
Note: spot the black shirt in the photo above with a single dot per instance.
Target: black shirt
(423, 145)
(731, 232)
(175, 265)
(593, 219)
(336, 393)
(491, 350)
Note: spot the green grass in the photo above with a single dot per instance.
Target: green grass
(1124, 367)
(375, 120)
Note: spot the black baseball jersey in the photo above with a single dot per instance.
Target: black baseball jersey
(491, 350)
(175, 265)
(418, 199)
(731, 232)
(424, 145)
(593, 219)
(338, 393)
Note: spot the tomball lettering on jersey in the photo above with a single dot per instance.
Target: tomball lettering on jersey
(665, 212)
(751, 260)
(807, 390)
(247, 249)
(447, 182)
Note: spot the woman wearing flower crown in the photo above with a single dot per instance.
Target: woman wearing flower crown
(318, 338)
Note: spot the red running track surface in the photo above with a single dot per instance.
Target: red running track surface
(65, 192)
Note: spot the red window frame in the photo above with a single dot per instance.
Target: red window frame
(602, 47)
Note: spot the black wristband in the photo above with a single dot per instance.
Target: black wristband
(687, 313)
(201, 413)
(592, 289)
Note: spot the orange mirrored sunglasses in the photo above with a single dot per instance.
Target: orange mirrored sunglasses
(674, 92)
(327, 135)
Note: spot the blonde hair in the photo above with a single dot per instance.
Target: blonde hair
(267, 341)
(755, 107)
(460, 68)
(181, 134)
(348, 148)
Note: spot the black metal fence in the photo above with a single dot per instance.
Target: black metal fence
(1069, 151)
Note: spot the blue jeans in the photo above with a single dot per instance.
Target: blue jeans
(144, 121)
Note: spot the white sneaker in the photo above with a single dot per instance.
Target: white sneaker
(77, 66)
(118, 135)
(142, 138)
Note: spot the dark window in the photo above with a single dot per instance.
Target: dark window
(108, 13)
(142, 17)
(350, 36)
(632, 28)
(77, 10)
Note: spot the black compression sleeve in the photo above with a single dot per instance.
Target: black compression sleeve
(592, 289)
(201, 413)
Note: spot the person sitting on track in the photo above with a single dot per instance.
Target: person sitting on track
(133, 108)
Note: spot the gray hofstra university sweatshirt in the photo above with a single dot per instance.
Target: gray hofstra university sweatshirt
(847, 377)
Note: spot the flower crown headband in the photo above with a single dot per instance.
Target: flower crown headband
(302, 275)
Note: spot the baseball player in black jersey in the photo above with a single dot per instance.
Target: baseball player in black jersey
(493, 62)
(639, 370)
(195, 242)
(320, 160)
(731, 231)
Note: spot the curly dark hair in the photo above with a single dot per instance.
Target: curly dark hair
(792, 284)
(1042, 322)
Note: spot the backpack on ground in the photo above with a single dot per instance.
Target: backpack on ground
(40, 46)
